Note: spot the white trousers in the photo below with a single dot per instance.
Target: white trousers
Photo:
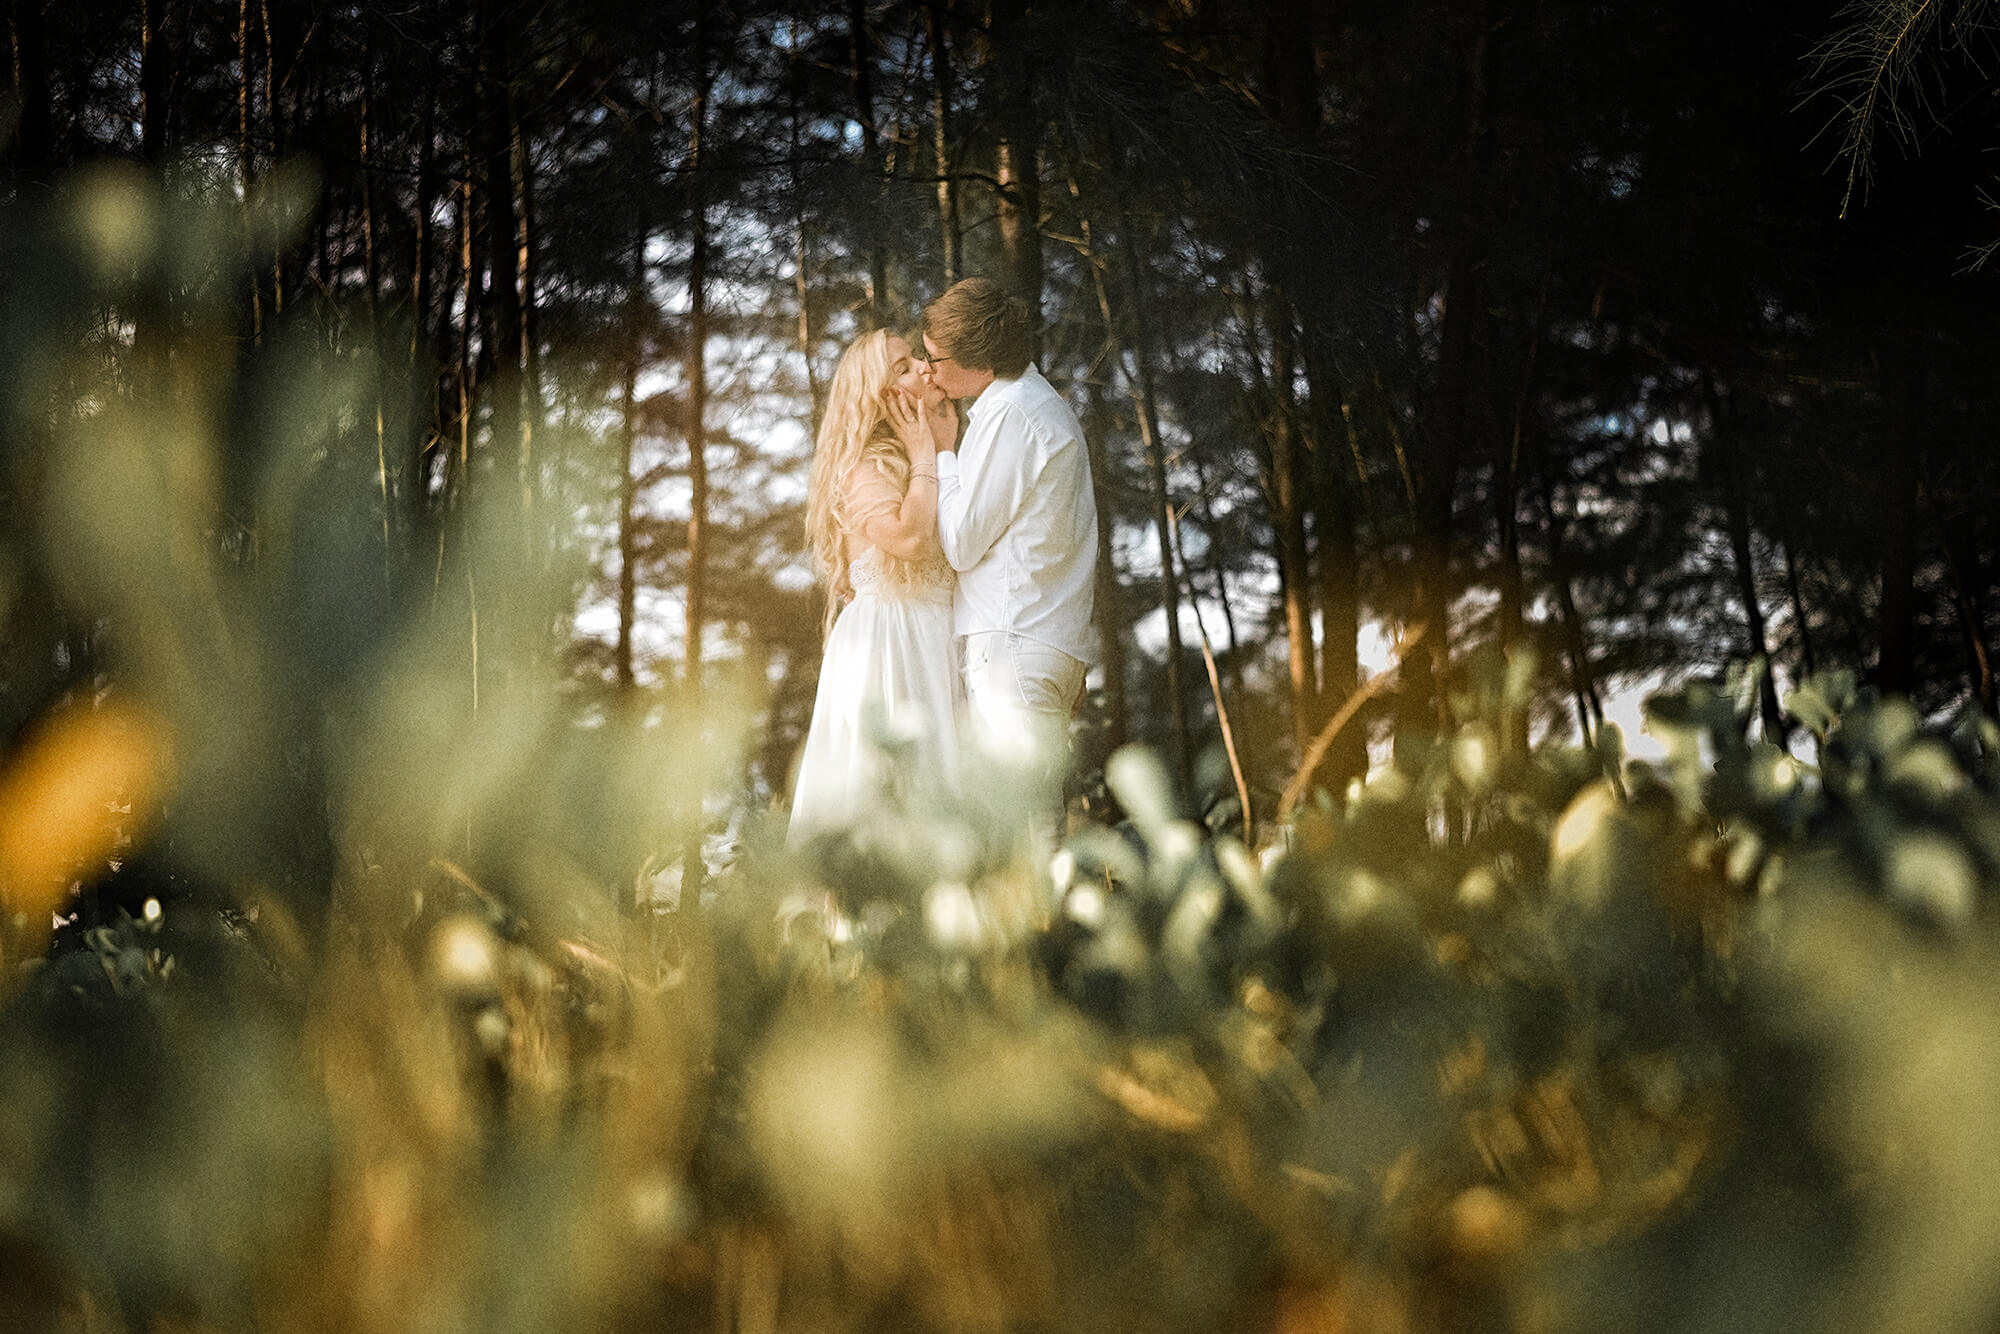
(1020, 693)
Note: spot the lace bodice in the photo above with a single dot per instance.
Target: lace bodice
(934, 581)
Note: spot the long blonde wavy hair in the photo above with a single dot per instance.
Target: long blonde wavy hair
(854, 432)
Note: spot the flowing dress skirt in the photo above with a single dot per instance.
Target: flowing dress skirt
(885, 719)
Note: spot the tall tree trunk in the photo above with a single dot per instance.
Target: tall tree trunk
(371, 278)
(628, 433)
(1507, 502)
(1807, 662)
(468, 366)
(1303, 479)
(1017, 160)
(1109, 606)
(1141, 377)
(370, 267)
(1288, 519)
(1279, 471)
(935, 12)
(1967, 583)
(1141, 373)
(815, 392)
(1576, 642)
(692, 866)
(420, 245)
(155, 71)
(499, 134)
(1726, 465)
(1902, 463)
(245, 164)
(34, 133)
(324, 274)
(531, 351)
(861, 78)
(1204, 511)
(1337, 560)
(1436, 480)
(802, 247)
(1737, 519)
(427, 430)
(1736, 514)
(152, 319)
(273, 144)
(1245, 811)
(1442, 441)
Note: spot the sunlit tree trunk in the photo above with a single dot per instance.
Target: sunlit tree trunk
(1017, 164)
(1218, 574)
(1279, 471)
(802, 261)
(468, 365)
(935, 12)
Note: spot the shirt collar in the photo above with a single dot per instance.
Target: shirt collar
(993, 392)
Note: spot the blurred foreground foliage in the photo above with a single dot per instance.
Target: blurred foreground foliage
(357, 1027)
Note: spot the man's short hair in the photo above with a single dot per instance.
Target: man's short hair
(978, 325)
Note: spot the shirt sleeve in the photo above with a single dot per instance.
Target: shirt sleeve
(984, 486)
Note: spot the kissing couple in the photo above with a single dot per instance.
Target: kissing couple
(960, 574)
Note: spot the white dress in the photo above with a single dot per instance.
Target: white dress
(885, 719)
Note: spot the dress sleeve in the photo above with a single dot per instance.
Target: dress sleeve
(869, 492)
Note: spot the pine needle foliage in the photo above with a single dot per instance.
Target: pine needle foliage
(1884, 68)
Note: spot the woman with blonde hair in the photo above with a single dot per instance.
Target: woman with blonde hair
(889, 691)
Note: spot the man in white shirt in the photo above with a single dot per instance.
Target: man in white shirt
(1018, 521)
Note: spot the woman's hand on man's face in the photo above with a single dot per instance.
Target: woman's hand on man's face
(942, 417)
(909, 420)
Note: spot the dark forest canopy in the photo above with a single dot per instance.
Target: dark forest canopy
(1537, 325)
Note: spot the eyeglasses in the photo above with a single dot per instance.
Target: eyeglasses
(928, 358)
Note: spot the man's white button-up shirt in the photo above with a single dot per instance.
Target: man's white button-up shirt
(1018, 520)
